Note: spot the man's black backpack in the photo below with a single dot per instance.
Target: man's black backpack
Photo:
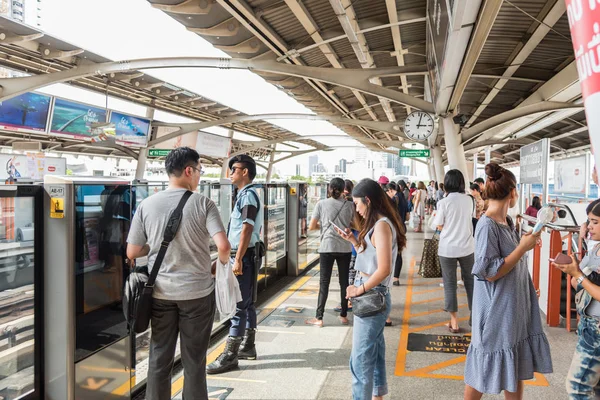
(137, 297)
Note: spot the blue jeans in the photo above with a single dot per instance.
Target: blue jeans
(245, 316)
(367, 361)
(584, 374)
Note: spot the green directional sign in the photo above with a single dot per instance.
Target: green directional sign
(414, 153)
(158, 152)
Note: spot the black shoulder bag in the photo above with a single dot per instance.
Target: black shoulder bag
(137, 298)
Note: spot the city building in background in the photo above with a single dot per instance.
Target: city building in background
(342, 165)
(312, 161)
(25, 11)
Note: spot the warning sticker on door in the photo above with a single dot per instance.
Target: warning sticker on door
(57, 207)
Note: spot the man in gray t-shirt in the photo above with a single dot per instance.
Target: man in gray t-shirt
(184, 300)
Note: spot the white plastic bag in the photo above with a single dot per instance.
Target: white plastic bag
(432, 226)
(227, 290)
(411, 222)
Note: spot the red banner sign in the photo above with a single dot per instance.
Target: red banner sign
(584, 20)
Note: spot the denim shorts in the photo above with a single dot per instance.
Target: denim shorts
(584, 373)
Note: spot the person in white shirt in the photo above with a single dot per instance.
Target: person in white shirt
(457, 246)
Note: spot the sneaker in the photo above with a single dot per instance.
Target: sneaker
(460, 283)
(442, 284)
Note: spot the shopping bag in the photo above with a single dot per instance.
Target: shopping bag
(227, 290)
(430, 261)
(432, 226)
(411, 221)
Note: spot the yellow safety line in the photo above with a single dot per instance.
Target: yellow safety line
(220, 378)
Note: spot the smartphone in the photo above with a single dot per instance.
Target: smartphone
(561, 259)
(340, 229)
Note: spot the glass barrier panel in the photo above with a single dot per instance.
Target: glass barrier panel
(21, 249)
(275, 226)
(303, 220)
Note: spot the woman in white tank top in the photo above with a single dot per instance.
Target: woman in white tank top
(380, 239)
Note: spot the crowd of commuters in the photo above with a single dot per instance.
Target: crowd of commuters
(363, 232)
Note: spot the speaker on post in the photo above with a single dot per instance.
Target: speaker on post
(460, 119)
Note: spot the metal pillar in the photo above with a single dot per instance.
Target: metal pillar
(271, 159)
(475, 166)
(143, 155)
(438, 163)
(454, 148)
(488, 155)
(224, 166)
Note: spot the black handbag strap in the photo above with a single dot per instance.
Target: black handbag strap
(169, 235)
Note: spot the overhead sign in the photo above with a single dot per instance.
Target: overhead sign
(438, 343)
(74, 120)
(164, 148)
(571, 175)
(534, 162)
(35, 167)
(438, 30)
(583, 19)
(211, 145)
(158, 152)
(25, 113)
(130, 130)
(425, 153)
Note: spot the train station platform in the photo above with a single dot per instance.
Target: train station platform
(297, 361)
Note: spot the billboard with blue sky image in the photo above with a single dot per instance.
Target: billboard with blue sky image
(130, 130)
(27, 112)
(73, 119)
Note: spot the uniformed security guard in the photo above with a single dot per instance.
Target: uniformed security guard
(245, 226)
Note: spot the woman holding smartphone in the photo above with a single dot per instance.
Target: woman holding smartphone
(335, 210)
(584, 374)
(381, 237)
(508, 343)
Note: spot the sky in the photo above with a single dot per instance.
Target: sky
(131, 29)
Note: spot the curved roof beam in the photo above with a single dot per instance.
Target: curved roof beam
(508, 116)
(478, 145)
(357, 79)
(393, 128)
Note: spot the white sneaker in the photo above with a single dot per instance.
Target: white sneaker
(460, 283)
(442, 284)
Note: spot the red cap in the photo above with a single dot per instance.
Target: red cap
(383, 180)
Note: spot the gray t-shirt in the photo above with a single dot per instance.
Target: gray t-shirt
(326, 210)
(589, 264)
(185, 272)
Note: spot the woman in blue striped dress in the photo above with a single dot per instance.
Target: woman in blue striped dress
(508, 343)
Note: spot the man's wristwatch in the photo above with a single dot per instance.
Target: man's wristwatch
(580, 279)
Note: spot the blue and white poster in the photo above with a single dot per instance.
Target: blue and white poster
(130, 130)
(74, 120)
(27, 112)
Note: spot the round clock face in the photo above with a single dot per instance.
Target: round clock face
(418, 125)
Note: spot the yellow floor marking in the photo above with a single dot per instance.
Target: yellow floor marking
(421, 314)
(427, 372)
(90, 368)
(177, 386)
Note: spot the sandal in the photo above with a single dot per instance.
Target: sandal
(388, 323)
(343, 320)
(314, 322)
(451, 329)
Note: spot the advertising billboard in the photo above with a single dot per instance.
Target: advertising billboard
(211, 145)
(571, 175)
(33, 166)
(74, 120)
(27, 112)
(130, 130)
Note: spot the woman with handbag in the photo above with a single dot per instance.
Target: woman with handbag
(456, 244)
(335, 210)
(508, 344)
(380, 239)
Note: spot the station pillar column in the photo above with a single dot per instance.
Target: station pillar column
(143, 154)
(454, 148)
(438, 164)
(271, 159)
(225, 165)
